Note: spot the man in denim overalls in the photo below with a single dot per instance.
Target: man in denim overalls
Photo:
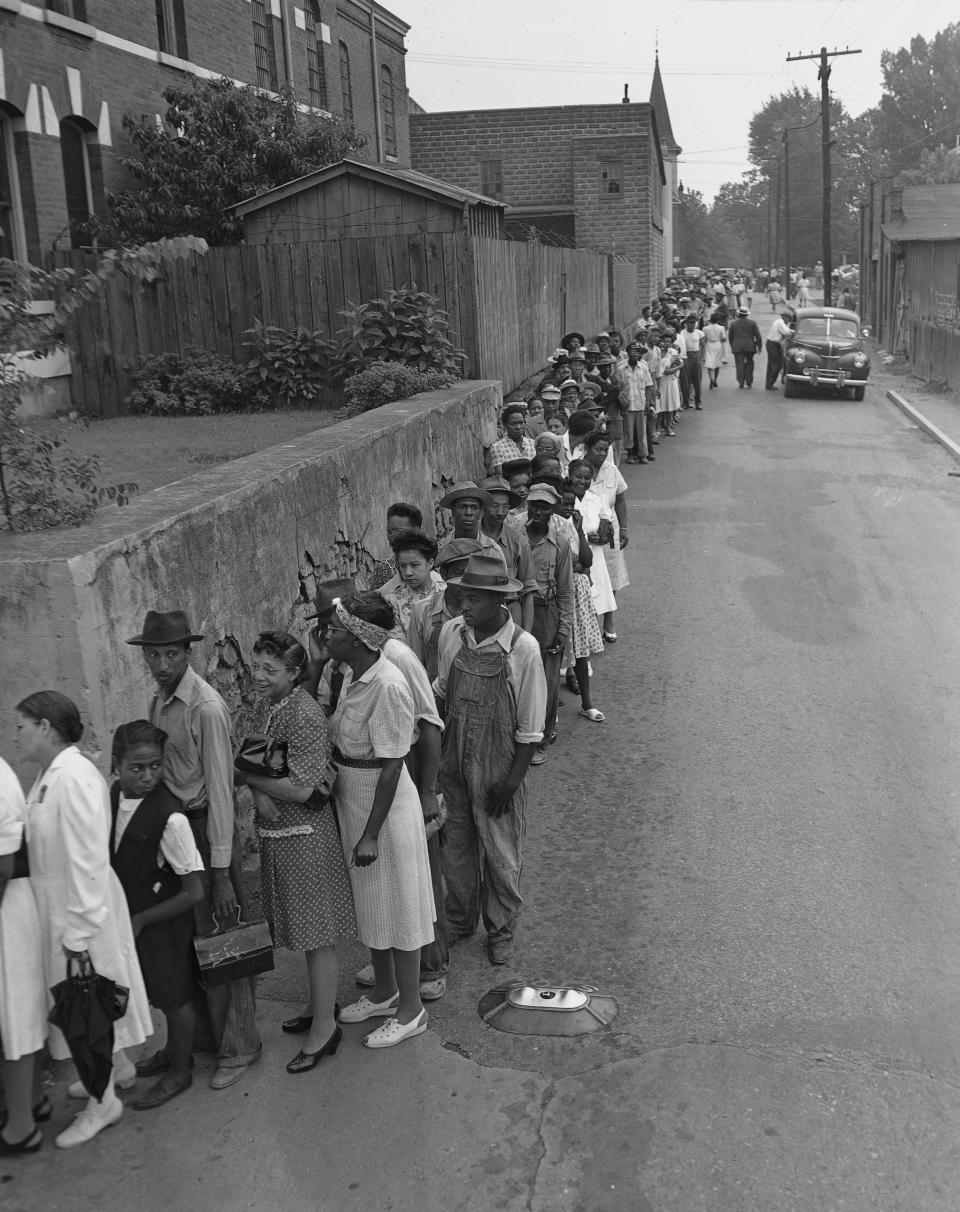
(492, 694)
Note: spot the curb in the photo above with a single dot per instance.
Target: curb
(927, 426)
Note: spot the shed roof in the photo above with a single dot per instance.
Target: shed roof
(403, 178)
(930, 212)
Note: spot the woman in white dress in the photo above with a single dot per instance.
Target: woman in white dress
(714, 348)
(610, 486)
(81, 904)
(23, 1002)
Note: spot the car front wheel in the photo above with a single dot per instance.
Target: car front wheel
(789, 389)
(858, 393)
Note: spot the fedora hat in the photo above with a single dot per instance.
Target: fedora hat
(465, 490)
(165, 627)
(327, 591)
(457, 550)
(499, 484)
(489, 572)
(550, 391)
(565, 340)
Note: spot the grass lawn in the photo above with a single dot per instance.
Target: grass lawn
(154, 451)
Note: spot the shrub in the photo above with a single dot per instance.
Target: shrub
(384, 382)
(289, 368)
(407, 327)
(195, 385)
(42, 484)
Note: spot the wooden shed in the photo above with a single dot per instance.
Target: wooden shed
(354, 199)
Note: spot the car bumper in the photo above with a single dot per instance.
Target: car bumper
(828, 378)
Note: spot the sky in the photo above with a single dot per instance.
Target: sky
(721, 60)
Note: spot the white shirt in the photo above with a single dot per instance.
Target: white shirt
(177, 850)
(778, 329)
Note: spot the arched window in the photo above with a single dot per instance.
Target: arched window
(76, 174)
(346, 87)
(13, 244)
(388, 112)
(316, 64)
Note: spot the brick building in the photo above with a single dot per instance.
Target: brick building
(70, 69)
(592, 176)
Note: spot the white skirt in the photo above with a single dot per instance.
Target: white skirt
(23, 998)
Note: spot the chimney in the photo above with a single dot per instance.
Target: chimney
(626, 94)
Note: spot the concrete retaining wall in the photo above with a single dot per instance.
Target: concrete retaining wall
(238, 547)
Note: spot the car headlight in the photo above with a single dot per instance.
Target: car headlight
(860, 360)
(798, 356)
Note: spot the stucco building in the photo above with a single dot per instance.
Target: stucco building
(591, 176)
(70, 69)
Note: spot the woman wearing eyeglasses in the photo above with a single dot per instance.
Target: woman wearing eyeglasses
(303, 876)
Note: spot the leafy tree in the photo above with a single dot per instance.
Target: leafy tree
(920, 105)
(219, 145)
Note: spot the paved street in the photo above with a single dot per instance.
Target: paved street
(757, 855)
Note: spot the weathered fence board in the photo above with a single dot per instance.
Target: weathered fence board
(508, 302)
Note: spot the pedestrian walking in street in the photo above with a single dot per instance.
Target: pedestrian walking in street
(23, 995)
(774, 293)
(80, 902)
(745, 344)
(307, 898)
(714, 348)
(156, 859)
(381, 820)
(779, 331)
(198, 769)
(493, 696)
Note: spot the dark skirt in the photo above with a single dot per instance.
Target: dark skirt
(167, 961)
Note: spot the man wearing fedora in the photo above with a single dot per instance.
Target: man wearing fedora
(745, 343)
(513, 543)
(198, 769)
(466, 502)
(492, 693)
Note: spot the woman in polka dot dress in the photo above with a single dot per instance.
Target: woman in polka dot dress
(303, 877)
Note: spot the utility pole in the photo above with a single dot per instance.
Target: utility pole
(824, 77)
(786, 212)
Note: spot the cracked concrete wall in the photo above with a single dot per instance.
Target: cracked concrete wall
(238, 547)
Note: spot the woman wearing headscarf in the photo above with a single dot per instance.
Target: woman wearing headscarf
(381, 820)
(303, 877)
(81, 903)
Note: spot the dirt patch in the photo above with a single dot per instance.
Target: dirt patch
(155, 451)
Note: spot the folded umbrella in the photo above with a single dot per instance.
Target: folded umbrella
(85, 1007)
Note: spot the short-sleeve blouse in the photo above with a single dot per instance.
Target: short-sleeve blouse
(609, 484)
(375, 716)
(298, 720)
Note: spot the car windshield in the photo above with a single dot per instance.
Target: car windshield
(832, 327)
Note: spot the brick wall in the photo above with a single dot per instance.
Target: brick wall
(551, 159)
(38, 87)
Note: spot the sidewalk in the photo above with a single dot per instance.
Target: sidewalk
(937, 413)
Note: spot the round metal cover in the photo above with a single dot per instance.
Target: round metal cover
(547, 1009)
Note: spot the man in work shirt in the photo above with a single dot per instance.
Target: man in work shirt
(492, 693)
(690, 340)
(779, 331)
(635, 379)
(198, 769)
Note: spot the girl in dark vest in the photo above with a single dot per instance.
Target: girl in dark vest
(156, 860)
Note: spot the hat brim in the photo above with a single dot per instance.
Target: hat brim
(510, 586)
(479, 494)
(140, 642)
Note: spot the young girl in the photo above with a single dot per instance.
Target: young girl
(156, 860)
(586, 640)
(415, 555)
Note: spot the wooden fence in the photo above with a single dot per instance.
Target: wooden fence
(508, 302)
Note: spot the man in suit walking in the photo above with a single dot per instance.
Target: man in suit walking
(745, 343)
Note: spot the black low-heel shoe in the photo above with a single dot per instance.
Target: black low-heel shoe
(29, 1144)
(309, 1060)
(302, 1023)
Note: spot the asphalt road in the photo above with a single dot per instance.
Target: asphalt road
(756, 855)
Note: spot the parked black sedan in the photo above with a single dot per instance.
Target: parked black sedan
(826, 351)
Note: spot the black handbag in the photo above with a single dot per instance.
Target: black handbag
(233, 952)
(262, 755)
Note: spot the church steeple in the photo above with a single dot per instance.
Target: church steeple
(658, 100)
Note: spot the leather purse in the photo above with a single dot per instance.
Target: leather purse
(244, 949)
(262, 755)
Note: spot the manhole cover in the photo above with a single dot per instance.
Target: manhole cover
(547, 1009)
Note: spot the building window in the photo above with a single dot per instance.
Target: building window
(611, 178)
(76, 175)
(491, 179)
(264, 48)
(77, 9)
(388, 112)
(13, 246)
(171, 28)
(346, 87)
(316, 64)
